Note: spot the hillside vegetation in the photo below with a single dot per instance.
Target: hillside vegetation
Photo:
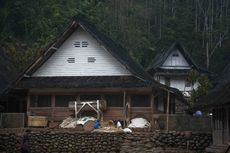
(143, 27)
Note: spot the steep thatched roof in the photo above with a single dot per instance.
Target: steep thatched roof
(7, 72)
(115, 50)
(161, 57)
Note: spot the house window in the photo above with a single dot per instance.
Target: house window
(84, 44)
(114, 100)
(158, 78)
(77, 44)
(91, 59)
(159, 104)
(40, 101)
(71, 60)
(63, 100)
(140, 101)
(175, 55)
(167, 81)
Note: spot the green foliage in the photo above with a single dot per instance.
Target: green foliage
(204, 85)
(142, 27)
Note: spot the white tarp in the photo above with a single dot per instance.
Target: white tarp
(73, 122)
(139, 123)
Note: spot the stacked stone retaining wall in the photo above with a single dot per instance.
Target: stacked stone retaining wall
(65, 141)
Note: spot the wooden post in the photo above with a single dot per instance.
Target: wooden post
(228, 128)
(167, 112)
(128, 108)
(152, 106)
(98, 108)
(75, 105)
(7, 104)
(28, 104)
(52, 107)
(227, 124)
(75, 108)
(124, 106)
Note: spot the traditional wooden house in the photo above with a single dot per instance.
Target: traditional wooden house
(172, 66)
(84, 65)
(217, 101)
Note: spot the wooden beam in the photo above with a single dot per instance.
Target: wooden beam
(73, 91)
(96, 107)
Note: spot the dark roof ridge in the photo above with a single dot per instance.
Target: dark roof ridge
(159, 60)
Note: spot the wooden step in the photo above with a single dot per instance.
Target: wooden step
(217, 149)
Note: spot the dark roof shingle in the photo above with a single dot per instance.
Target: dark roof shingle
(116, 50)
(81, 82)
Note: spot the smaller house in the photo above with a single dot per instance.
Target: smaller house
(172, 67)
(217, 101)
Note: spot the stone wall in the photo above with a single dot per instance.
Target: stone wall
(183, 122)
(12, 120)
(76, 142)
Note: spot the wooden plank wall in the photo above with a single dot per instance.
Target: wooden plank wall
(105, 64)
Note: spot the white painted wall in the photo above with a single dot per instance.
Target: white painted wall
(178, 83)
(175, 62)
(105, 64)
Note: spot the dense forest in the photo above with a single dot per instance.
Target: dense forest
(143, 27)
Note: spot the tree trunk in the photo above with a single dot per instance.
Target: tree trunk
(207, 55)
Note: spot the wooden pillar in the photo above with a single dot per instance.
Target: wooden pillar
(7, 104)
(102, 114)
(128, 108)
(124, 106)
(77, 100)
(227, 124)
(153, 107)
(52, 107)
(167, 111)
(28, 104)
